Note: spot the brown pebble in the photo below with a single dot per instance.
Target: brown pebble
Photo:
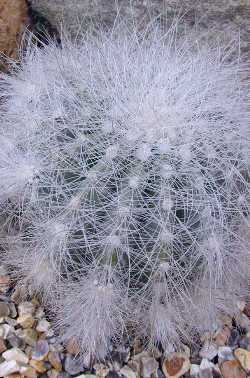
(14, 375)
(53, 373)
(72, 346)
(243, 356)
(29, 336)
(3, 346)
(30, 372)
(55, 360)
(26, 321)
(175, 365)
(4, 310)
(232, 369)
(39, 366)
(4, 280)
(222, 336)
(13, 19)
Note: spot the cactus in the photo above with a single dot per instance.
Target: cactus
(125, 176)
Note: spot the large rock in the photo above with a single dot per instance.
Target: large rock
(225, 19)
(13, 20)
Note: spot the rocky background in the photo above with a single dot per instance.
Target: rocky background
(225, 19)
(217, 19)
(29, 347)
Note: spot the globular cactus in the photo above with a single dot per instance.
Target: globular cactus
(126, 179)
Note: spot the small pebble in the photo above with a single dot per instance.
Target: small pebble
(28, 372)
(245, 342)
(15, 341)
(28, 335)
(52, 373)
(55, 360)
(26, 308)
(39, 313)
(209, 351)
(43, 325)
(225, 353)
(26, 321)
(16, 355)
(194, 370)
(5, 331)
(206, 364)
(72, 346)
(232, 369)
(234, 338)
(8, 367)
(4, 309)
(40, 351)
(72, 365)
(11, 322)
(149, 367)
(4, 280)
(175, 365)
(39, 366)
(101, 370)
(243, 356)
(222, 336)
(127, 372)
(244, 321)
(13, 311)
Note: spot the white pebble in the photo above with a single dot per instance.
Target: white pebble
(8, 367)
(15, 354)
(26, 308)
(194, 370)
(43, 325)
(209, 351)
(5, 330)
(225, 353)
(206, 364)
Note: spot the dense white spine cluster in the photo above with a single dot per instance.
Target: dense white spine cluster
(124, 172)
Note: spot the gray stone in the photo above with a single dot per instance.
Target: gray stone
(4, 309)
(234, 338)
(209, 351)
(40, 350)
(15, 354)
(26, 308)
(73, 365)
(13, 311)
(5, 331)
(43, 325)
(225, 353)
(216, 19)
(15, 341)
(194, 370)
(245, 342)
(8, 367)
(149, 367)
